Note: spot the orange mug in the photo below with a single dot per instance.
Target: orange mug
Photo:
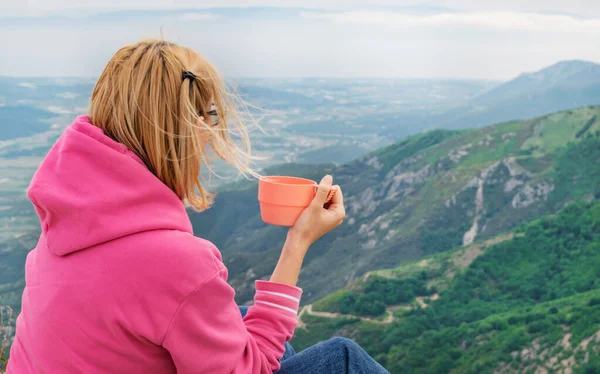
(283, 199)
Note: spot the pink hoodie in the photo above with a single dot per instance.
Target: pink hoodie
(118, 283)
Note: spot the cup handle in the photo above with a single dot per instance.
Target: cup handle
(330, 194)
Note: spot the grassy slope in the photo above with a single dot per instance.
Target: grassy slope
(435, 272)
(411, 199)
(527, 303)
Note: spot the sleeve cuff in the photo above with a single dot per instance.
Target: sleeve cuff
(278, 295)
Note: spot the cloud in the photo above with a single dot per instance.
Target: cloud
(197, 16)
(68, 95)
(494, 20)
(27, 85)
(58, 110)
(12, 8)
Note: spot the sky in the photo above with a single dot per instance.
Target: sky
(471, 39)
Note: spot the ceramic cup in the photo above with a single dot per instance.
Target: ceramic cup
(282, 199)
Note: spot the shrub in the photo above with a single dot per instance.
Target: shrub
(6, 316)
(594, 301)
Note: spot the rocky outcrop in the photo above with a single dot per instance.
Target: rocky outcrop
(470, 235)
(513, 178)
(400, 184)
(457, 154)
(561, 357)
(364, 204)
(374, 162)
(518, 175)
(531, 194)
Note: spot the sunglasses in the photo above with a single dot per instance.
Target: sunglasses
(214, 116)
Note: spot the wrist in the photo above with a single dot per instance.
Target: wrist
(290, 262)
(295, 244)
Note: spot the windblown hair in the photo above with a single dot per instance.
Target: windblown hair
(142, 101)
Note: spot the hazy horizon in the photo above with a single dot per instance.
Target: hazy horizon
(460, 39)
(354, 78)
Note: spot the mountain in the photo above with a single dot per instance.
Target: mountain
(575, 74)
(564, 85)
(524, 302)
(426, 194)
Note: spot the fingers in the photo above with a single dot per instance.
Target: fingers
(338, 197)
(337, 204)
(322, 191)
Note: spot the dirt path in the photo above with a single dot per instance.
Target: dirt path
(308, 309)
(300, 324)
(390, 310)
(462, 261)
(421, 301)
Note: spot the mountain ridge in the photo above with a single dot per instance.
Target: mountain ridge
(417, 197)
(561, 86)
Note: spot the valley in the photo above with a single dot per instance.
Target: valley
(423, 195)
(472, 227)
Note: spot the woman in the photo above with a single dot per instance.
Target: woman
(117, 282)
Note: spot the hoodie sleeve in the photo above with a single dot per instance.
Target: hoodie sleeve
(208, 335)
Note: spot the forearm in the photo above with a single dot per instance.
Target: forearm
(290, 262)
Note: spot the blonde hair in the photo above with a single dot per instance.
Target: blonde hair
(143, 101)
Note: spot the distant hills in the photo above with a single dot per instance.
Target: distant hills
(564, 85)
(444, 104)
(563, 74)
(378, 110)
(425, 194)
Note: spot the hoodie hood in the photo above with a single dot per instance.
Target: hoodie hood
(90, 189)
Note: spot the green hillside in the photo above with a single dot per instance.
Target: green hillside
(527, 302)
(424, 195)
(408, 206)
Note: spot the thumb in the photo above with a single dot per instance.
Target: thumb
(322, 192)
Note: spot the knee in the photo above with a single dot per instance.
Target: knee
(342, 342)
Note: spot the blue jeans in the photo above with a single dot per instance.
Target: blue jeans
(336, 356)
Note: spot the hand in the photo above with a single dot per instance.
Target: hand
(317, 220)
